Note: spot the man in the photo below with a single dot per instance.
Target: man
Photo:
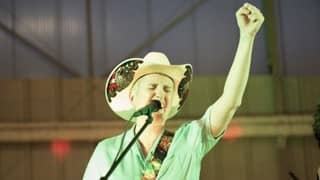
(158, 154)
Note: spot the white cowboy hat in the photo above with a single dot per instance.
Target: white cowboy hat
(125, 74)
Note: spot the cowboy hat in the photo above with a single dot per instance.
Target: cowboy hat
(124, 75)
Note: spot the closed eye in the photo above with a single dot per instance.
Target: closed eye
(152, 86)
(167, 89)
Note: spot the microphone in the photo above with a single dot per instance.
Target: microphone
(154, 106)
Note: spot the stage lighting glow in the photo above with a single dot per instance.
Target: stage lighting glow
(233, 132)
(60, 148)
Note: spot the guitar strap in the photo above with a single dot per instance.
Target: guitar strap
(159, 155)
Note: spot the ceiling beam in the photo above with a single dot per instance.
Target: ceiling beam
(273, 53)
(175, 21)
(40, 50)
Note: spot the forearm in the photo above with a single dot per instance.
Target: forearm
(239, 73)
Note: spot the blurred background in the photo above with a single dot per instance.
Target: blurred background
(55, 56)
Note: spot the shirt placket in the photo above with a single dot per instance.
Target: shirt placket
(148, 172)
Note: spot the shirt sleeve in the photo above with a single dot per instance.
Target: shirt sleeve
(197, 134)
(206, 120)
(92, 171)
(208, 140)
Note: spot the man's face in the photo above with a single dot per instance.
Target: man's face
(154, 87)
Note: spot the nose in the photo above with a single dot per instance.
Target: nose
(159, 93)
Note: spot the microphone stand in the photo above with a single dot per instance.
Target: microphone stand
(117, 161)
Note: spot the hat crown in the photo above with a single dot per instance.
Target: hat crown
(156, 58)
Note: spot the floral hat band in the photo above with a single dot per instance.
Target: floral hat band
(125, 74)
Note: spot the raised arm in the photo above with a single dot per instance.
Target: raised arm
(249, 20)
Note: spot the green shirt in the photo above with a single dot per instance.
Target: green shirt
(183, 161)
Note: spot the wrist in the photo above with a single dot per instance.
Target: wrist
(247, 37)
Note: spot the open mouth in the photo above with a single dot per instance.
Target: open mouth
(163, 105)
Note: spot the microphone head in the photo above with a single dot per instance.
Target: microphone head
(153, 106)
(156, 104)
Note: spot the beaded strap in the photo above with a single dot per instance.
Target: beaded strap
(160, 153)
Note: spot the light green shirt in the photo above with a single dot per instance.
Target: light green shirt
(183, 161)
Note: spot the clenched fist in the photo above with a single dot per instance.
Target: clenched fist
(249, 19)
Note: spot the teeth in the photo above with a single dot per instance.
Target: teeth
(162, 105)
